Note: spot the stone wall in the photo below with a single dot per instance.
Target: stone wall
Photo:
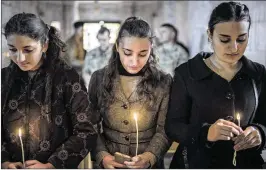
(190, 17)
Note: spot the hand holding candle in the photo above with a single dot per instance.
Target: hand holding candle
(238, 121)
(21, 144)
(137, 129)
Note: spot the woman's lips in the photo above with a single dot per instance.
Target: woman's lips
(234, 54)
(23, 64)
(133, 68)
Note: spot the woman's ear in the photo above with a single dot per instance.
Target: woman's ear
(209, 35)
(45, 47)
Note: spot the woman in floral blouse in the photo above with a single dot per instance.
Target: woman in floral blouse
(43, 97)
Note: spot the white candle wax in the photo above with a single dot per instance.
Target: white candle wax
(22, 149)
(137, 129)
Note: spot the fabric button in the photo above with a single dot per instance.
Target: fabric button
(125, 122)
(193, 140)
(229, 95)
(124, 106)
(127, 138)
(239, 78)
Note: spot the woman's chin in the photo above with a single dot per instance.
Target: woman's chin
(24, 68)
(133, 71)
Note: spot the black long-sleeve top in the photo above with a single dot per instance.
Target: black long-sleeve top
(199, 97)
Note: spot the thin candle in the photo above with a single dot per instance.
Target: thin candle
(22, 149)
(238, 121)
(238, 118)
(137, 129)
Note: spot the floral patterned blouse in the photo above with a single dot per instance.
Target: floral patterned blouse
(58, 131)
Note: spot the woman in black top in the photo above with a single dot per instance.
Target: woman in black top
(44, 97)
(209, 90)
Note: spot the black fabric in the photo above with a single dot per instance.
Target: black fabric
(122, 71)
(54, 116)
(199, 97)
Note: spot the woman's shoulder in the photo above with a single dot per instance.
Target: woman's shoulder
(165, 79)
(254, 69)
(62, 69)
(98, 75)
(64, 73)
(99, 72)
(4, 73)
(194, 68)
(259, 68)
(166, 76)
(4, 70)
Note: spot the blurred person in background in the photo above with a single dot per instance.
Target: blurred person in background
(171, 52)
(75, 52)
(98, 58)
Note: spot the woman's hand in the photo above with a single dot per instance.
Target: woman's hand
(34, 164)
(110, 163)
(12, 165)
(250, 138)
(223, 130)
(138, 163)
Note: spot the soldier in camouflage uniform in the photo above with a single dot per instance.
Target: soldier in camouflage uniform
(98, 58)
(171, 53)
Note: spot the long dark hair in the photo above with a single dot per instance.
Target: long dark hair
(152, 77)
(30, 25)
(229, 11)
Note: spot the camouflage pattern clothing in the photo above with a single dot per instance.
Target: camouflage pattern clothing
(170, 58)
(95, 60)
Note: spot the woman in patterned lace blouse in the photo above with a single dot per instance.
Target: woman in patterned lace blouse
(43, 97)
(130, 84)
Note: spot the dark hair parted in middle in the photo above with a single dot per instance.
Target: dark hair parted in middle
(229, 11)
(30, 25)
(152, 78)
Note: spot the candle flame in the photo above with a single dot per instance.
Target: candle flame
(238, 116)
(19, 132)
(135, 116)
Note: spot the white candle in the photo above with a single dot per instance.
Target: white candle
(238, 121)
(137, 129)
(22, 149)
(238, 118)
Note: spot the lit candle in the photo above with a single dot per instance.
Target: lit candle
(238, 118)
(238, 121)
(22, 149)
(137, 129)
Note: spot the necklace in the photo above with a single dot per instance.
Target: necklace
(129, 85)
